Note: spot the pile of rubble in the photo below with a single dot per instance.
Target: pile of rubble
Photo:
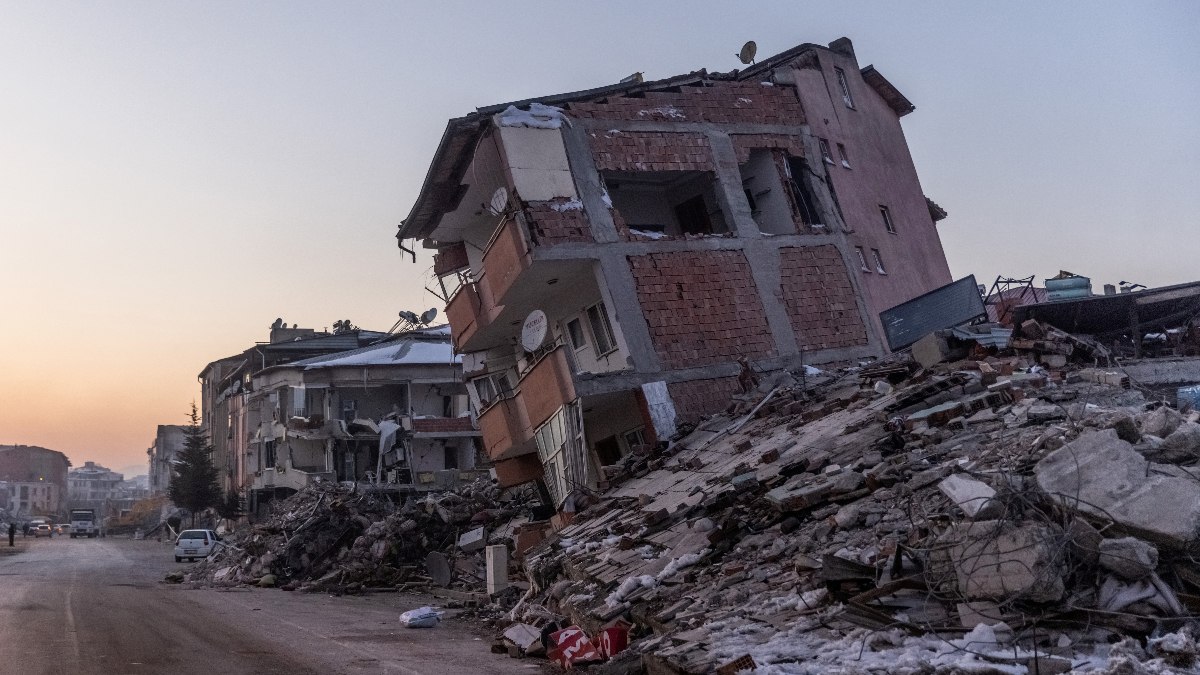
(1003, 513)
(331, 536)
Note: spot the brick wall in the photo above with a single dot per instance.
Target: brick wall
(695, 398)
(720, 102)
(557, 222)
(442, 424)
(819, 299)
(702, 307)
(450, 257)
(651, 151)
(744, 143)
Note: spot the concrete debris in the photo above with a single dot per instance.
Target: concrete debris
(975, 498)
(994, 559)
(1128, 558)
(1103, 477)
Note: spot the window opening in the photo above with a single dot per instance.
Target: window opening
(878, 261)
(491, 388)
(670, 203)
(450, 456)
(602, 332)
(805, 202)
(576, 334)
(887, 219)
(842, 154)
(845, 85)
(692, 215)
(825, 153)
(862, 258)
(608, 451)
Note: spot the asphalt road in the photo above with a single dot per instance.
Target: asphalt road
(96, 606)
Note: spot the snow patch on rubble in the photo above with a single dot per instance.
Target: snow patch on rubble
(648, 234)
(805, 649)
(572, 205)
(684, 561)
(606, 198)
(628, 586)
(537, 117)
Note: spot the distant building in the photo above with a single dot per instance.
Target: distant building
(168, 442)
(36, 479)
(92, 483)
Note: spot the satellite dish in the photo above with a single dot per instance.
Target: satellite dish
(499, 201)
(428, 315)
(408, 316)
(749, 49)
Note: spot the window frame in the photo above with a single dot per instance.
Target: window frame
(599, 313)
(844, 83)
(826, 153)
(862, 259)
(577, 336)
(888, 223)
(878, 262)
(842, 154)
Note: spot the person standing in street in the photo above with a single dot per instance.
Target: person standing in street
(12, 534)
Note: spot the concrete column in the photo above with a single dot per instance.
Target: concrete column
(497, 568)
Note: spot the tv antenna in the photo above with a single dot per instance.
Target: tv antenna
(749, 49)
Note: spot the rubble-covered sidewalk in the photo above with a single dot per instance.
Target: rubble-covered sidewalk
(985, 515)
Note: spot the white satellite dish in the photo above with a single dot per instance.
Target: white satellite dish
(428, 315)
(534, 331)
(749, 49)
(499, 201)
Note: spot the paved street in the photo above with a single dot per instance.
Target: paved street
(84, 606)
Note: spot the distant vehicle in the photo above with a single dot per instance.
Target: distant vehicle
(43, 530)
(193, 544)
(83, 523)
(64, 528)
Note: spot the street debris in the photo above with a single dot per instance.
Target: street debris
(423, 617)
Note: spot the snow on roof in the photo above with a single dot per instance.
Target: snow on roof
(424, 347)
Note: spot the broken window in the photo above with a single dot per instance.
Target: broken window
(450, 460)
(825, 153)
(887, 219)
(269, 453)
(670, 203)
(602, 332)
(806, 203)
(862, 258)
(576, 334)
(765, 194)
(878, 261)
(845, 85)
(842, 154)
(634, 439)
(491, 388)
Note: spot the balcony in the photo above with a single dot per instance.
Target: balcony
(547, 386)
(506, 258)
(506, 429)
(294, 479)
(470, 311)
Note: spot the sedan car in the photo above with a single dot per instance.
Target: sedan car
(43, 530)
(193, 544)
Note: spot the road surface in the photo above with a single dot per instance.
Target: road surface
(96, 606)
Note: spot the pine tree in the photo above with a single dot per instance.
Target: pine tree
(230, 507)
(193, 477)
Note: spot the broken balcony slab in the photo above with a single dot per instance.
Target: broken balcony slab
(1102, 476)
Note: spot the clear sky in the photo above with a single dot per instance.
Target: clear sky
(176, 175)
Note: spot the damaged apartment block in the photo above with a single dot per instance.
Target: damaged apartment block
(610, 258)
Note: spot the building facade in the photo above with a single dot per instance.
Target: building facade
(612, 259)
(168, 442)
(36, 479)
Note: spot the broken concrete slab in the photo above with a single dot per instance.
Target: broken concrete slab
(1161, 421)
(999, 560)
(1129, 558)
(975, 498)
(1182, 444)
(1102, 476)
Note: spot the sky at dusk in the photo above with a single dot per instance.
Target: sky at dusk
(176, 175)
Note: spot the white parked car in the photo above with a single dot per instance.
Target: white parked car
(193, 544)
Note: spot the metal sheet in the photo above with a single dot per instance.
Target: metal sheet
(951, 305)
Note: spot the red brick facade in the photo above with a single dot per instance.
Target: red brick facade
(442, 424)
(651, 151)
(450, 257)
(702, 307)
(696, 398)
(819, 298)
(720, 102)
(744, 143)
(557, 222)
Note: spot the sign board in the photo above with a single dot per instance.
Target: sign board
(534, 330)
(951, 305)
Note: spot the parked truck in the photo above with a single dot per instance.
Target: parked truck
(83, 523)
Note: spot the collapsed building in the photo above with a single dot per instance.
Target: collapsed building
(388, 410)
(622, 260)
